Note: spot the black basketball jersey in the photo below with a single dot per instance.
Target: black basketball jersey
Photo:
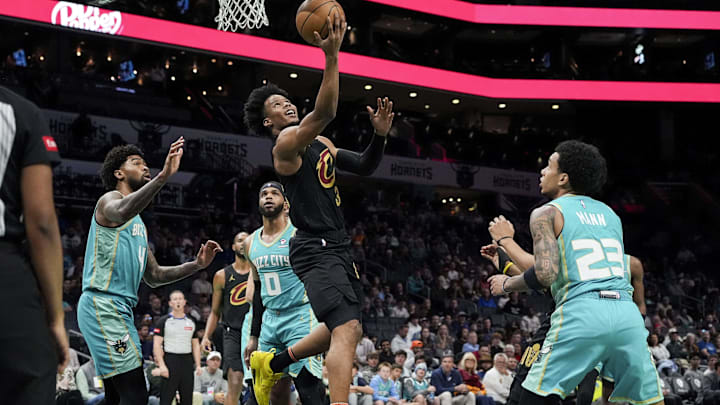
(24, 140)
(235, 305)
(314, 198)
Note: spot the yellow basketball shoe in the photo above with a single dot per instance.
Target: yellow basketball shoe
(263, 376)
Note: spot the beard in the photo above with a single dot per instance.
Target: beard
(136, 184)
(271, 212)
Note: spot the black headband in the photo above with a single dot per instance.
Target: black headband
(273, 184)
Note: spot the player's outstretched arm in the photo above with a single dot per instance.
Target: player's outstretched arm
(502, 232)
(293, 140)
(218, 286)
(156, 275)
(636, 279)
(115, 209)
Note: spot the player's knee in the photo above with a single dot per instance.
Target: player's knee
(235, 377)
(350, 332)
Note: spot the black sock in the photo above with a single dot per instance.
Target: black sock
(280, 361)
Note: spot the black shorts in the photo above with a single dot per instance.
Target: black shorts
(232, 350)
(526, 361)
(28, 361)
(326, 268)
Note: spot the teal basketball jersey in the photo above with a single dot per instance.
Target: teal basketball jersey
(592, 256)
(115, 259)
(280, 287)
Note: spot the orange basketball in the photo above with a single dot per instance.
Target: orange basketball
(312, 16)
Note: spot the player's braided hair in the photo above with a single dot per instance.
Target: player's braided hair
(113, 160)
(255, 107)
(584, 164)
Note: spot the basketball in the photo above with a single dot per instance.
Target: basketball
(312, 16)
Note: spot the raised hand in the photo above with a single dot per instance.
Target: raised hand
(496, 284)
(500, 228)
(207, 253)
(336, 33)
(172, 161)
(382, 118)
(490, 252)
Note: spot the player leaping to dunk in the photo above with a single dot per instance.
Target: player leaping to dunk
(320, 251)
(117, 257)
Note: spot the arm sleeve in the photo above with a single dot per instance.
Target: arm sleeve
(160, 326)
(258, 309)
(364, 163)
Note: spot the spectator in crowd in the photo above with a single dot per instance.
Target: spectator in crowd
(712, 364)
(530, 322)
(210, 383)
(401, 341)
(461, 340)
(498, 379)
(706, 347)
(711, 388)
(370, 370)
(401, 358)
(514, 306)
(146, 342)
(414, 327)
(416, 285)
(88, 383)
(659, 352)
(443, 342)
(486, 300)
(360, 392)
(510, 352)
(201, 285)
(486, 331)
(396, 375)
(449, 385)
(690, 344)
(386, 353)
(383, 387)
(512, 365)
(364, 347)
(675, 346)
(399, 310)
(427, 338)
(153, 375)
(417, 389)
(496, 344)
(468, 372)
(693, 370)
(472, 343)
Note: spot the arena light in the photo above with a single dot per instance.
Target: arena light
(444, 201)
(310, 57)
(427, 106)
(562, 16)
(109, 58)
(368, 87)
(229, 63)
(189, 98)
(459, 199)
(293, 75)
(213, 60)
(413, 94)
(42, 58)
(502, 106)
(455, 101)
(172, 78)
(204, 93)
(219, 88)
(555, 106)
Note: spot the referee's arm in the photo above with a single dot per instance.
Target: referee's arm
(159, 354)
(196, 355)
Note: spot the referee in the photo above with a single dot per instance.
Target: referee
(175, 348)
(35, 346)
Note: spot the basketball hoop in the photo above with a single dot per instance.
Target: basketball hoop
(240, 14)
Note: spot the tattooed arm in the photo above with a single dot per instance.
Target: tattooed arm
(545, 247)
(156, 275)
(543, 224)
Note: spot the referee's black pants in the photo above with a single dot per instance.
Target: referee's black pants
(180, 367)
(28, 361)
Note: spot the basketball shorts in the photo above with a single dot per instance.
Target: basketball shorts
(326, 268)
(107, 325)
(281, 329)
(233, 350)
(588, 330)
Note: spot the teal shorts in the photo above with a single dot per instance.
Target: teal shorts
(589, 330)
(244, 338)
(281, 329)
(107, 325)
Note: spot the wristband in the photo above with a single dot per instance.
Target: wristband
(501, 239)
(531, 279)
(507, 267)
(503, 286)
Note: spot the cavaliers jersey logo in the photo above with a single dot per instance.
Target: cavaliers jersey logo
(119, 345)
(326, 169)
(237, 294)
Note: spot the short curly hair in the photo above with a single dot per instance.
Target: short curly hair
(254, 108)
(113, 160)
(585, 166)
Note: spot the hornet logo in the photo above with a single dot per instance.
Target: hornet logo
(119, 345)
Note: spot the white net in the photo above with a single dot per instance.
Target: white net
(240, 14)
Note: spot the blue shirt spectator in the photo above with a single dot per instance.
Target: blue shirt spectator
(486, 300)
(383, 387)
(446, 378)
